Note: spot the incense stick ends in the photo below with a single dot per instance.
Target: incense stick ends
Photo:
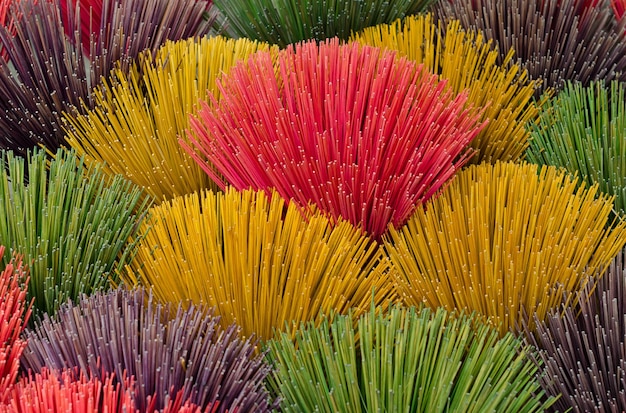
(286, 22)
(344, 202)
(555, 41)
(365, 136)
(404, 360)
(468, 61)
(583, 347)
(164, 348)
(73, 225)
(49, 73)
(504, 240)
(139, 117)
(582, 130)
(260, 262)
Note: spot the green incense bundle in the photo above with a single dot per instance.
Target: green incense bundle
(583, 129)
(73, 225)
(404, 360)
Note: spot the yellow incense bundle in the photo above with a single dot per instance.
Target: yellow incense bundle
(468, 61)
(503, 240)
(140, 116)
(259, 262)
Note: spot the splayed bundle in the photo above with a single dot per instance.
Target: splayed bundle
(359, 132)
(504, 240)
(14, 314)
(49, 73)
(404, 361)
(584, 347)
(583, 130)
(73, 225)
(467, 61)
(284, 22)
(72, 391)
(138, 26)
(166, 350)
(68, 392)
(136, 123)
(260, 264)
(555, 41)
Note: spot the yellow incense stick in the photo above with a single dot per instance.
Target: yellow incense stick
(502, 239)
(140, 116)
(259, 262)
(467, 61)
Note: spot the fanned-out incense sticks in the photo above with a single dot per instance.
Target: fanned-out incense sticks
(583, 130)
(44, 76)
(128, 27)
(504, 239)
(554, 40)
(467, 61)
(283, 22)
(258, 263)
(68, 391)
(14, 314)
(49, 73)
(359, 132)
(73, 225)
(136, 123)
(404, 360)
(165, 349)
(584, 347)
(71, 391)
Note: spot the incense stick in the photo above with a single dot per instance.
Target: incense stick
(404, 360)
(284, 22)
(73, 225)
(555, 41)
(583, 347)
(583, 130)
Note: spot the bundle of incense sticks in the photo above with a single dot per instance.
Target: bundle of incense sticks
(312, 206)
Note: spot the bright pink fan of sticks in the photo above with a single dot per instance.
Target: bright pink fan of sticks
(361, 133)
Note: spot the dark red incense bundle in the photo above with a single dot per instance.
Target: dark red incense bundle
(90, 12)
(619, 7)
(6, 21)
(583, 348)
